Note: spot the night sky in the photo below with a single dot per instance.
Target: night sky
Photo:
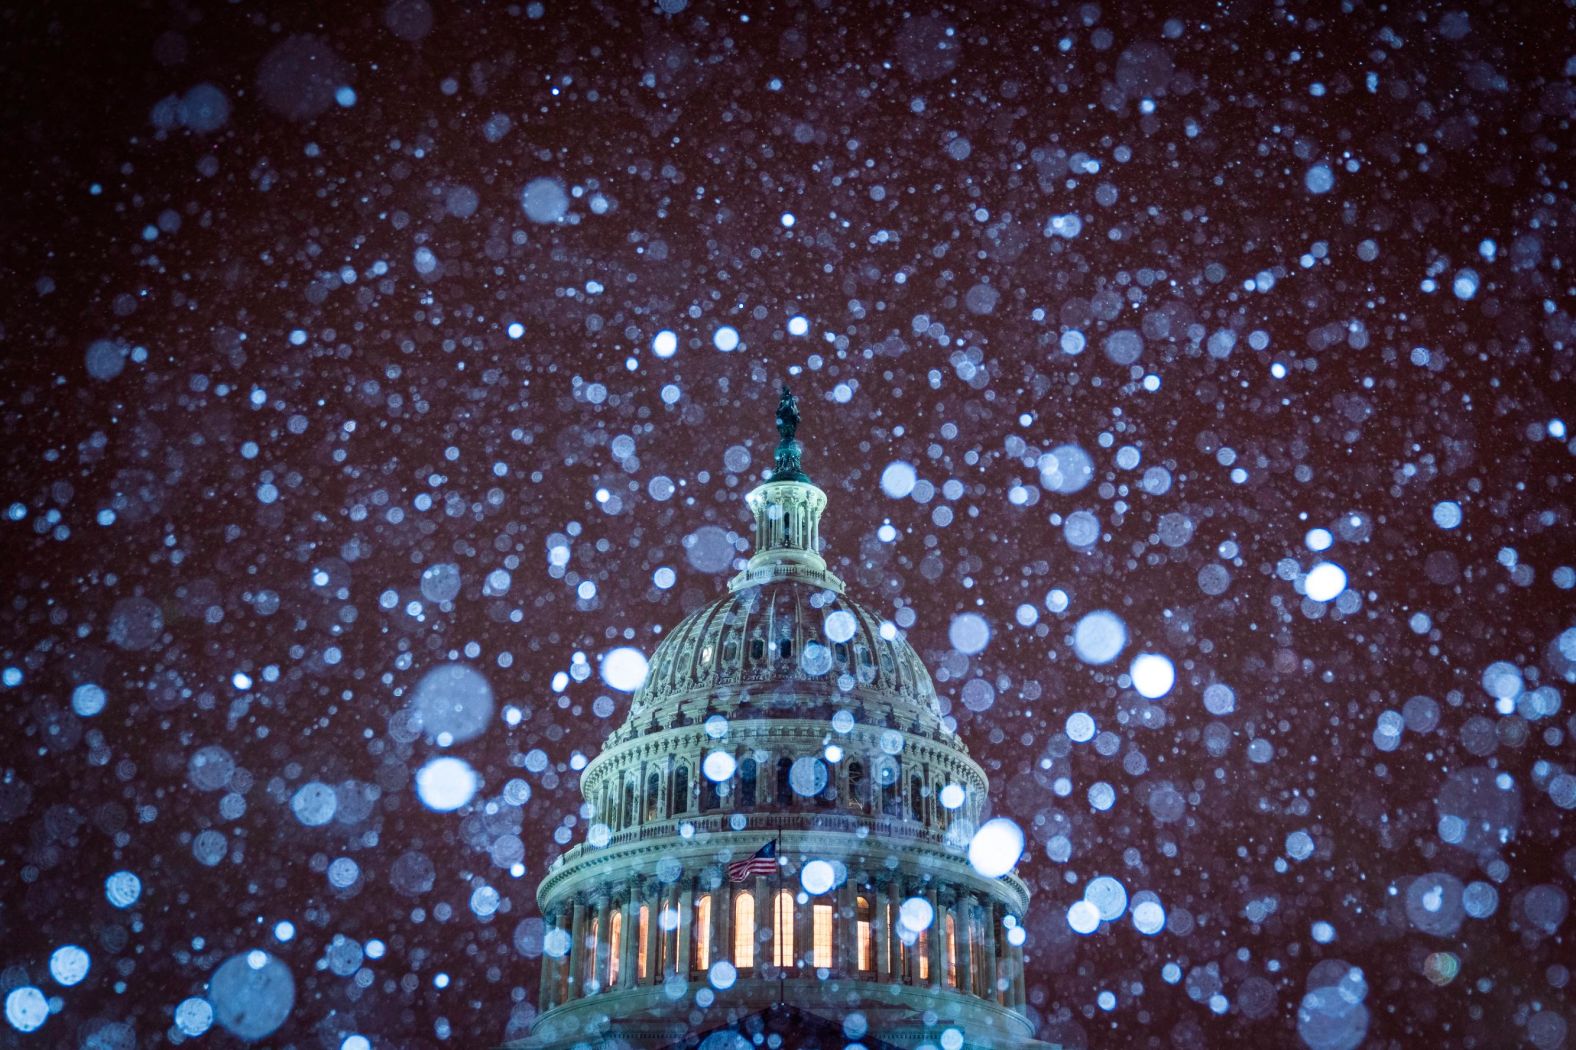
(336, 352)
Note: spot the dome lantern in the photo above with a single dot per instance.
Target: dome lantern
(787, 509)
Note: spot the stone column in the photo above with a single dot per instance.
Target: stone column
(963, 930)
(765, 919)
(897, 951)
(562, 991)
(544, 998)
(938, 941)
(880, 933)
(577, 951)
(989, 960)
(722, 921)
(683, 956)
(599, 958)
(670, 938)
(629, 939)
(1019, 998)
(803, 929)
(845, 929)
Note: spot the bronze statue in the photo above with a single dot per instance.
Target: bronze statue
(787, 415)
(788, 447)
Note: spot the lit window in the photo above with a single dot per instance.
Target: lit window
(782, 931)
(744, 931)
(821, 932)
(703, 932)
(615, 941)
(643, 941)
(922, 953)
(866, 948)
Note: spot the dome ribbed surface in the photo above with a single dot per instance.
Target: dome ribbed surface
(783, 646)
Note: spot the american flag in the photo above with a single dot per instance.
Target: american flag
(763, 862)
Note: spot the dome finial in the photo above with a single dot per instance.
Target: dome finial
(788, 447)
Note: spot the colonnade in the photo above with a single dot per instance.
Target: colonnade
(642, 932)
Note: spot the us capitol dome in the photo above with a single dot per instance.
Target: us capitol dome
(776, 853)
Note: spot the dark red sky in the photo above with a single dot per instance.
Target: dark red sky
(262, 273)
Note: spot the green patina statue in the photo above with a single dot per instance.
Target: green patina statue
(788, 447)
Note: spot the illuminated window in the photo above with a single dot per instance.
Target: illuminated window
(703, 932)
(863, 913)
(589, 948)
(922, 954)
(952, 952)
(782, 930)
(615, 941)
(821, 934)
(642, 942)
(744, 931)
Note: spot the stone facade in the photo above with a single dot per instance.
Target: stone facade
(782, 713)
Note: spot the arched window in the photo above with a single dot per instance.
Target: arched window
(891, 786)
(864, 915)
(615, 941)
(858, 790)
(866, 671)
(643, 943)
(743, 931)
(782, 929)
(747, 777)
(681, 790)
(785, 796)
(653, 786)
(702, 928)
(821, 935)
(626, 816)
(916, 800)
